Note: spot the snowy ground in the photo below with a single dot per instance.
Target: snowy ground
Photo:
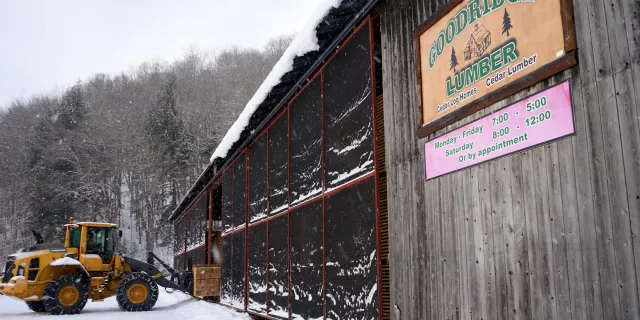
(176, 306)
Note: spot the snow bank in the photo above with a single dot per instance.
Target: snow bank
(170, 307)
(305, 41)
(66, 261)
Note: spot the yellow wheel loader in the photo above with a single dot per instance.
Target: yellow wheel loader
(60, 279)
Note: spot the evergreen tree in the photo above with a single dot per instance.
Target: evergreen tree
(454, 60)
(506, 23)
(56, 189)
(167, 135)
(72, 109)
(171, 146)
(41, 193)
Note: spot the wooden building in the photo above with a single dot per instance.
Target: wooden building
(385, 177)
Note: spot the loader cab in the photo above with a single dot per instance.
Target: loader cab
(93, 243)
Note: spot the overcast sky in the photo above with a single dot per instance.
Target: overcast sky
(48, 45)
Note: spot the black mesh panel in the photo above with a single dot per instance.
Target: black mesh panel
(240, 191)
(178, 262)
(306, 144)
(225, 271)
(217, 204)
(306, 262)
(200, 219)
(278, 267)
(199, 255)
(258, 179)
(176, 258)
(258, 268)
(188, 233)
(189, 255)
(227, 200)
(278, 165)
(348, 111)
(351, 271)
(178, 244)
(237, 273)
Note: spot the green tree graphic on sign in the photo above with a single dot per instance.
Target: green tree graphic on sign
(454, 60)
(506, 23)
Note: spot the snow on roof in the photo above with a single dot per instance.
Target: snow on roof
(305, 41)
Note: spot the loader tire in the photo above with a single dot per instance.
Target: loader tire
(36, 306)
(137, 292)
(66, 295)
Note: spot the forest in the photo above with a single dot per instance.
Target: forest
(121, 148)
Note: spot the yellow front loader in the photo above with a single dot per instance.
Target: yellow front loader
(60, 279)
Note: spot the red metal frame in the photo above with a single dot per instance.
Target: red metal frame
(210, 205)
(197, 247)
(232, 232)
(188, 217)
(266, 130)
(224, 237)
(322, 197)
(262, 316)
(209, 226)
(248, 148)
(188, 211)
(232, 167)
(289, 264)
(186, 226)
(324, 261)
(339, 49)
(184, 237)
(221, 184)
(227, 173)
(266, 297)
(312, 77)
(247, 200)
(233, 194)
(289, 204)
(232, 307)
(324, 274)
(376, 165)
(284, 110)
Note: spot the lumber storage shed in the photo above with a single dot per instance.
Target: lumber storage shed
(308, 162)
(473, 159)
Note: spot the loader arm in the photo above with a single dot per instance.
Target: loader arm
(152, 256)
(139, 266)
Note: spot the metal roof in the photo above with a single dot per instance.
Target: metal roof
(333, 29)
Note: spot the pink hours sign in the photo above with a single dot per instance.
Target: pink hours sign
(540, 118)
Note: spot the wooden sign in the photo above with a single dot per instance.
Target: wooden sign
(473, 53)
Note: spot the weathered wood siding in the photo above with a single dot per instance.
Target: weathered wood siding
(550, 233)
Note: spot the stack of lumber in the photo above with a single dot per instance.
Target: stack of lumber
(206, 280)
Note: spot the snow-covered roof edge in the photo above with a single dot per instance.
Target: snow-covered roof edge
(305, 41)
(349, 14)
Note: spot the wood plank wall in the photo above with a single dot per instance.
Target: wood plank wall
(550, 233)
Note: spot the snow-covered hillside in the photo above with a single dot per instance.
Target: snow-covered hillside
(176, 306)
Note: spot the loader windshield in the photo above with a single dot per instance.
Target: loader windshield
(100, 242)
